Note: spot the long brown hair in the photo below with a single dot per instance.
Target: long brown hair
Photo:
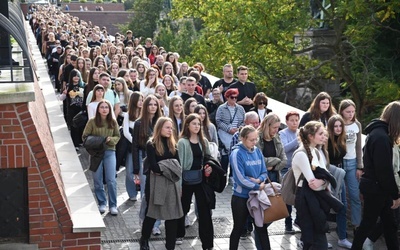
(309, 129)
(133, 108)
(109, 119)
(340, 143)
(206, 121)
(172, 115)
(156, 139)
(145, 120)
(391, 115)
(186, 132)
(315, 110)
(344, 104)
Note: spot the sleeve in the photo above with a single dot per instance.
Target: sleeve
(300, 160)
(151, 157)
(89, 97)
(135, 149)
(264, 172)
(304, 119)
(125, 127)
(115, 136)
(213, 133)
(282, 155)
(181, 153)
(238, 167)
(88, 129)
(288, 145)
(220, 121)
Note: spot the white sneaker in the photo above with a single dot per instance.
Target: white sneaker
(102, 209)
(187, 221)
(300, 244)
(344, 243)
(134, 198)
(368, 244)
(156, 231)
(330, 246)
(179, 241)
(113, 211)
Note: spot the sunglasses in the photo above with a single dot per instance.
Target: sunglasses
(261, 103)
(233, 97)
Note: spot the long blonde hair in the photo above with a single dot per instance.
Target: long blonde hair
(156, 139)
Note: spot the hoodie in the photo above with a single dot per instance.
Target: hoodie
(246, 163)
(378, 177)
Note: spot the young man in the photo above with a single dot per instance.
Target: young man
(190, 91)
(224, 83)
(247, 90)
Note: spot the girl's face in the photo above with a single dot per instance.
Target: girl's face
(75, 79)
(251, 140)
(161, 90)
(140, 68)
(318, 138)
(192, 106)
(113, 50)
(100, 62)
(118, 86)
(273, 129)
(115, 59)
(166, 130)
(167, 82)
(104, 109)
(293, 122)
(126, 77)
(140, 52)
(124, 60)
(140, 102)
(96, 74)
(68, 59)
(152, 108)
(178, 107)
(337, 128)
(348, 113)
(99, 93)
(133, 76)
(88, 64)
(114, 69)
(171, 58)
(94, 54)
(81, 64)
(168, 70)
(194, 126)
(324, 105)
(202, 114)
(184, 67)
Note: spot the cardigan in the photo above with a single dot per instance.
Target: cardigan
(185, 152)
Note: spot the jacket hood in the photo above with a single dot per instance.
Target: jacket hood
(376, 123)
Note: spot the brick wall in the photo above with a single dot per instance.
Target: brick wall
(26, 142)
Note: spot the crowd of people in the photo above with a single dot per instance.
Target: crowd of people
(161, 118)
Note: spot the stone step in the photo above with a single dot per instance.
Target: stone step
(18, 246)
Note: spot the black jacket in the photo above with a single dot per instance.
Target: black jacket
(378, 177)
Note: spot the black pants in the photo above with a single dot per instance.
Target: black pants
(171, 227)
(377, 205)
(240, 214)
(76, 133)
(206, 229)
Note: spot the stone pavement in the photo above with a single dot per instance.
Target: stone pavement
(123, 231)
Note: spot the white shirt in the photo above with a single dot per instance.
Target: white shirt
(351, 139)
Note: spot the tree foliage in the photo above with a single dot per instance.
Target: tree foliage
(363, 50)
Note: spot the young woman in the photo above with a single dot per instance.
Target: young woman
(336, 152)
(123, 62)
(161, 147)
(134, 80)
(142, 55)
(321, 109)
(210, 131)
(134, 110)
(352, 161)
(104, 125)
(111, 53)
(124, 73)
(192, 146)
(313, 227)
(142, 131)
(99, 61)
(169, 84)
(170, 59)
(148, 85)
(74, 102)
(183, 70)
(81, 66)
(97, 97)
(114, 69)
(167, 69)
(176, 114)
(141, 68)
(93, 80)
(161, 94)
(124, 93)
(189, 105)
(249, 173)
(153, 54)
(271, 146)
(378, 184)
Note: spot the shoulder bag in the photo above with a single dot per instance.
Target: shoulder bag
(277, 210)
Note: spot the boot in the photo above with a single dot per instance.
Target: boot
(144, 244)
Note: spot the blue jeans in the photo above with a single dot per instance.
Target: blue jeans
(108, 164)
(352, 184)
(129, 181)
(341, 216)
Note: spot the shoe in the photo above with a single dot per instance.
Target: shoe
(76, 148)
(344, 243)
(133, 198)
(187, 221)
(368, 244)
(289, 230)
(296, 225)
(102, 209)
(330, 246)
(243, 236)
(114, 211)
(179, 241)
(144, 244)
(300, 244)
(156, 231)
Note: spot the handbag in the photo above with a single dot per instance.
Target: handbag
(80, 119)
(277, 210)
(289, 187)
(192, 177)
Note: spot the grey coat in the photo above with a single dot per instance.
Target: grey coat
(165, 192)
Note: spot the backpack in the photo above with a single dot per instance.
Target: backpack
(289, 185)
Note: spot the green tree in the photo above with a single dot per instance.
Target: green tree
(363, 52)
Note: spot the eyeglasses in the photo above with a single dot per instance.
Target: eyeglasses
(233, 97)
(261, 103)
(152, 74)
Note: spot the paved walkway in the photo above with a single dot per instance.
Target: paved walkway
(123, 231)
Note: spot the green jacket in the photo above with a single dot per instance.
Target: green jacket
(185, 153)
(92, 129)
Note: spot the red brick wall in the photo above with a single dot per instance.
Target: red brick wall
(26, 142)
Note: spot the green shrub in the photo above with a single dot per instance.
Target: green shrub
(98, 1)
(82, 1)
